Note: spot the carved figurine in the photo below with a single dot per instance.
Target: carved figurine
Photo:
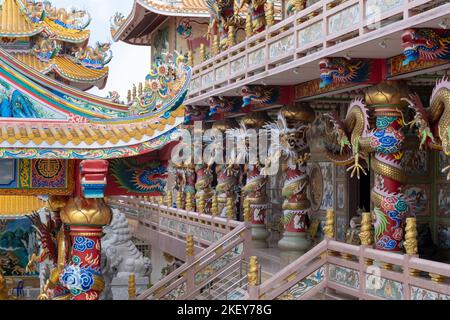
(94, 57)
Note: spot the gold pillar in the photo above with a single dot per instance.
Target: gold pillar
(131, 287)
(190, 246)
(248, 26)
(253, 271)
(329, 224)
(202, 52)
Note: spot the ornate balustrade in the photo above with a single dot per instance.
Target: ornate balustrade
(167, 228)
(358, 271)
(216, 262)
(320, 30)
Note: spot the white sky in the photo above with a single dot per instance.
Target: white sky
(130, 64)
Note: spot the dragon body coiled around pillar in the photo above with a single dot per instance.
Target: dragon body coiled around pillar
(254, 192)
(354, 141)
(227, 184)
(433, 123)
(203, 188)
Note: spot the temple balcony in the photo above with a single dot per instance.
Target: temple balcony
(288, 52)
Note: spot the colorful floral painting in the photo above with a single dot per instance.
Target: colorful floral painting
(18, 241)
(420, 196)
(416, 162)
(384, 288)
(345, 276)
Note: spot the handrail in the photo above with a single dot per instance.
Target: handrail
(198, 259)
(173, 224)
(328, 265)
(335, 262)
(217, 74)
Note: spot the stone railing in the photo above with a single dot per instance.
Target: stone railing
(322, 29)
(212, 264)
(358, 271)
(167, 228)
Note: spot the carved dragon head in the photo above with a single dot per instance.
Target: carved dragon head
(259, 95)
(219, 105)
(338, 70)
(426, 44)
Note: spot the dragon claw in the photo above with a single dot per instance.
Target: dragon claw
(356, 167)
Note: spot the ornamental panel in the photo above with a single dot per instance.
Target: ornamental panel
(310, 34)
(281, 47)
(343, 19)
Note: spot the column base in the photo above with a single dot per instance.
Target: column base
(293, 245)
(259, 236)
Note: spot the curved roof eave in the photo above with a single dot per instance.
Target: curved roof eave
(118, 35)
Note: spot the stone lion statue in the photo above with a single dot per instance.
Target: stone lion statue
(120, 257)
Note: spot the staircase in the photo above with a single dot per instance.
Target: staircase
(330, 271)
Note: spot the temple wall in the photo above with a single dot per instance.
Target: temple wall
(189, 33)
(181, 34)
(161, 40)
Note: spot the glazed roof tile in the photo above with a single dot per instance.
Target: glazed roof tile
(64, 66)
(15, 23)
(184, 6)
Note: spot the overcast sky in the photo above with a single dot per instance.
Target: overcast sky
(130, 63)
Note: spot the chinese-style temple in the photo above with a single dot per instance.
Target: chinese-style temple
(161, 198)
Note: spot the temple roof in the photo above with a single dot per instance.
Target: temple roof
(45, 121)
(66, 68)
(65, 34)
(151, 13)
(183, 7)
(15, 23)
(15, 206)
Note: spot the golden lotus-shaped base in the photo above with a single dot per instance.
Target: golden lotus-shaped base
(387, 93)
(86, 212)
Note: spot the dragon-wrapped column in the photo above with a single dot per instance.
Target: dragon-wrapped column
(189, 188)
(391, 206)
(227, 173)
(254, 189)
(296, 205)
(204, 191)
(82, 275)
